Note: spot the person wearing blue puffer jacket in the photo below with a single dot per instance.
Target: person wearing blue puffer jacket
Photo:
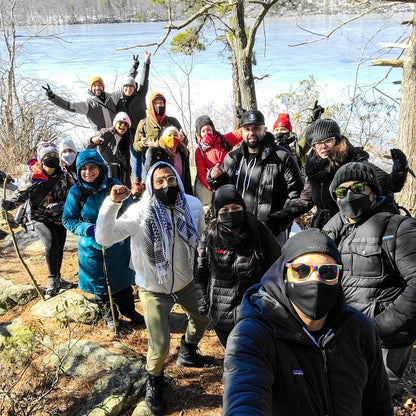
(80, 215)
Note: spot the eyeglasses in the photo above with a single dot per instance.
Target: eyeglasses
(303, 271)
(327, 143)
(356, 188)
(170, 180)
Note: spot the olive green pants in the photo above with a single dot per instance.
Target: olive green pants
(156, 310)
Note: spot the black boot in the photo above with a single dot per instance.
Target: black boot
(189, 356)
(64, 284)
(154, 394)
(53, 285)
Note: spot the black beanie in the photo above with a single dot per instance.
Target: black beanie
(355, 171)
(309, 241)
(252, 117)
(322, 129)
(201, 122)
(227, 194)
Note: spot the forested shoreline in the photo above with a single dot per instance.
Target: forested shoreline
(44, 12)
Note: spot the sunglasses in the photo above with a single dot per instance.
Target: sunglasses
(303, 271)
(356, 188)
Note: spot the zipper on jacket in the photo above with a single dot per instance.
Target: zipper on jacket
(173, 250)
(327, 390)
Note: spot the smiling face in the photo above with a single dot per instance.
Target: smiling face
(89, 172)
(253, 135)
(207, 129)
(128, 90)
(121, 127)
(97, 88)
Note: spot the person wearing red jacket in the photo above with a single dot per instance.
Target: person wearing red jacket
(211, 150)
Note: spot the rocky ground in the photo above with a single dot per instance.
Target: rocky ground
(30, 385)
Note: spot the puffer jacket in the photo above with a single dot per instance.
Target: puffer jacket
(43, 205)
(80, 216)
(132, 223)
(222, 274)
(369, 283)
(100, 113)
(273, 366)
(267, 183)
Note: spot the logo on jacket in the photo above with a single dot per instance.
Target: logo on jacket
(297, 372)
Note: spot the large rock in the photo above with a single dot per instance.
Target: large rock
(12, 295)
(69, 305)
(16, 334)
(122, 376)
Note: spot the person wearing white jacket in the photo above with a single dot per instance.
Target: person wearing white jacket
(164, 227)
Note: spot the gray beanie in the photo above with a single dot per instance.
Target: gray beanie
(322, 129)
(45, 148)
(355, 171)
(67, 144)
(129, 81)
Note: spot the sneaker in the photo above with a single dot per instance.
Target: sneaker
(64, 284)
(53, 285)
(110, 325)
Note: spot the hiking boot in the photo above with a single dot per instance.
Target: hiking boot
(53, 285)
(64, 284)
(110, 324)
(154, 394)
(136, 318)
(190, 357)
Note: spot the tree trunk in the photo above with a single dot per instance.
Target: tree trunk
(407, 122)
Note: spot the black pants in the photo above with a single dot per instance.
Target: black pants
(53, 237)
(222, 334)
(123, 302)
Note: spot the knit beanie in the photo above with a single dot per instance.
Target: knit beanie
(227, 194)
(121, 116)
(67, 144)
(312, 240)
(129, 81)
(322, 129)
(254, 117)
(168, 130)
(201, 122)
(45, 148)
(283, 120)
(355, 171)
(96, 79)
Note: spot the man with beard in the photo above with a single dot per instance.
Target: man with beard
(265, 174)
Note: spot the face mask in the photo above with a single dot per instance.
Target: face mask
(51, 162)
(232, 219)
(167, 195)
(281, 137)
(355, 205)
(315, 299)
(172, 142)
(209, 139)
(159, 109)
(68, 158)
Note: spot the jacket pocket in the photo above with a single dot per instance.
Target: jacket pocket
(367, 260)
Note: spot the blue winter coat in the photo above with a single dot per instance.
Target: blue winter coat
(79, 219)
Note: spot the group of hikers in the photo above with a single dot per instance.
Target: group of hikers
(320, 322)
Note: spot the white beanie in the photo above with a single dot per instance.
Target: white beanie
(122, 116)
(168, 130)
(67, 144)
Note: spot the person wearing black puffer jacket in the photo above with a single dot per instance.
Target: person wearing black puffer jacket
(233, 254)
(383, 289)
(265, 174)
(330, 151)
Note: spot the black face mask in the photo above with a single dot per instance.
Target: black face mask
(232, 219)
(315, 299)
(167, 195)
(159, 109)
(355, 205)
(281, 136)
(51, 162)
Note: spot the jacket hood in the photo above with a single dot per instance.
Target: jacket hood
(149, 178)
(90, 156)
(151, 108)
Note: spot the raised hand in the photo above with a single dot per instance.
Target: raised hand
(49, 93)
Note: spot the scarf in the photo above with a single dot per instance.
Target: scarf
(159, 232)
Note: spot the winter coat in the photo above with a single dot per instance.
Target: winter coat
(116, 154)
(207, 159)
(100, 113)
(316, 190)
(132, 223)
(223, 273)
(274, 366)
(156, 154)
(135, 104)
(45, 203)
(80, 216)
(369, 283)
(267, 182)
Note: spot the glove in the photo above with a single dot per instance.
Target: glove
(399, 159)
(55, 208)
(7, 205)
(136, 61)
(239, 112)
(91, 231)
(49, 93)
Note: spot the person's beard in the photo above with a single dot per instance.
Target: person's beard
(254, 144)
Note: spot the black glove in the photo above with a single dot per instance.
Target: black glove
(7, 205)
(317, 111)
(399, 159)
(55, 208)
(136, 61)
(239, 112)
(49, 92)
